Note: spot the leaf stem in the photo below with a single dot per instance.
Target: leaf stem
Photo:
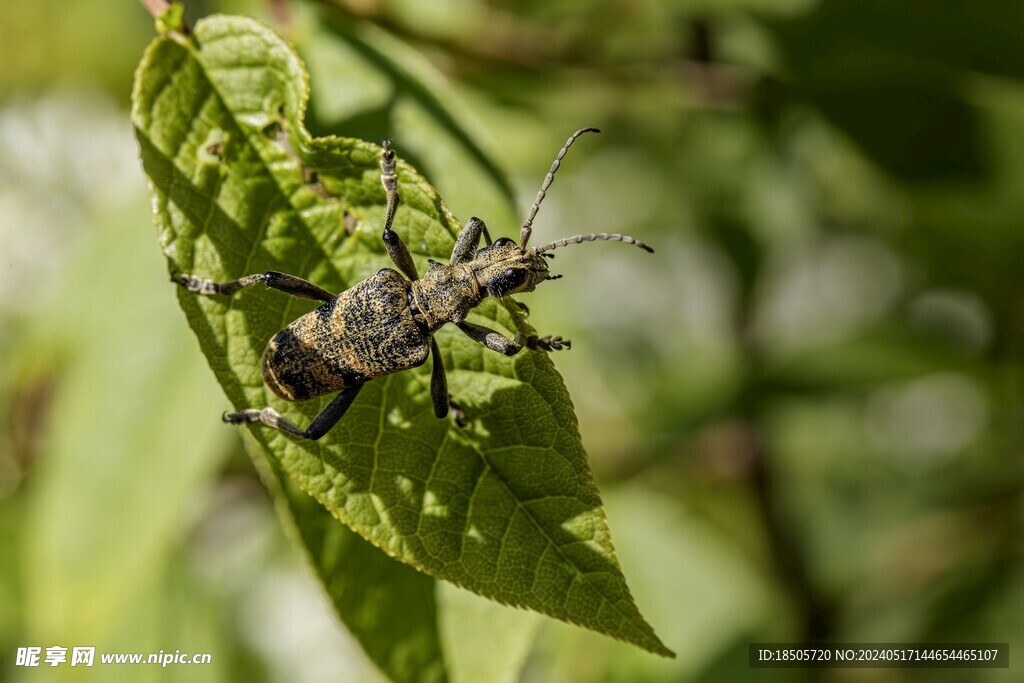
(177, 28)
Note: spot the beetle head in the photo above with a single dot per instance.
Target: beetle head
(503, 268)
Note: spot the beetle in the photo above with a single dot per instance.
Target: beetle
(386, 323)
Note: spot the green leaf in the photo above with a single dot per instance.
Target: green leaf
(414, 627)
(508, 508)
(390, 607)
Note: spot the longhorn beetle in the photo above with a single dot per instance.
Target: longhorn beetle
(386, 323)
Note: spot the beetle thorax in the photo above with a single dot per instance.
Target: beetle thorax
(445, 294)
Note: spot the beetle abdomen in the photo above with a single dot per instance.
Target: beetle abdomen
(367, 332)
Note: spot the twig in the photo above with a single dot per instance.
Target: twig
(156, 7)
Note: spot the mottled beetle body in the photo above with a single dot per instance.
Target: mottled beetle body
(386, 323)
(368, 332)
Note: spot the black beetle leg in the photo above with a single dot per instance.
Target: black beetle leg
(442, 400)
(468, 241)
(397, 250)
(495, 341)
(321, 424)
(549, 343)
(458, 413)
(289, 284)
(438, 382)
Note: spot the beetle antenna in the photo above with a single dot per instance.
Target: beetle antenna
(592, 237)
(524, 232)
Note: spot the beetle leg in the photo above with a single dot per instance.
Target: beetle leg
(468, 241)
(283, 282)
(549, 343)
(321, 424)
(397, 250)
(438, 382)
(458, 414)
(502, 344)
(439, 395)
(495, 341)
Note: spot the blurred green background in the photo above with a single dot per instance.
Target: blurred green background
(805, 412)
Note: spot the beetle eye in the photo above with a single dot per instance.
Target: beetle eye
(514, 277)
